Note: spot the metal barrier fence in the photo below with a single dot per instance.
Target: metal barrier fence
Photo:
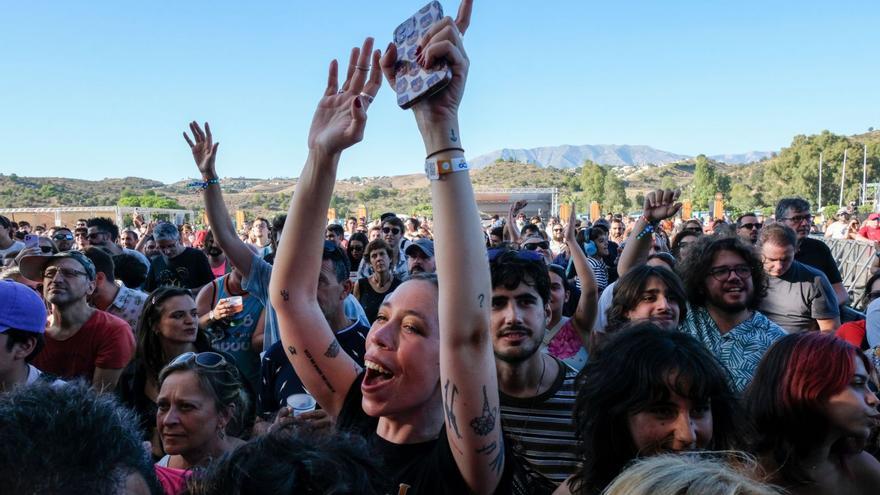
(854, 259)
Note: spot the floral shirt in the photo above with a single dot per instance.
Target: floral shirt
(739, 350)
(128, 305)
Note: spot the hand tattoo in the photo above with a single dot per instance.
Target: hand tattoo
(333, 350)
(448, 402)
(485, 424)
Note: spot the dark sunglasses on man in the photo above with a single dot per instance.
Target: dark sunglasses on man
(390, 230)
(750, 226)
(535, 245)
(63, 237)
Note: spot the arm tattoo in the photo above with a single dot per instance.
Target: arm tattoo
(285, 294)
(481, 297)
(497, 462)
(318, 369)
(333, 350)
(448, 402)
(485, 424)
(292, 350)
(452, 136)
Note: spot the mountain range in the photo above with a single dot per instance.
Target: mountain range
(569, 156)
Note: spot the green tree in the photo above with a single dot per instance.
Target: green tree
(705, 183)
(615, 194)
(593, 182)
(742, 198)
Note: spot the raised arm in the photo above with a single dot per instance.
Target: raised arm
(204, 151)
(585, 313)
(308, 340)
(512, 231)
(467, 366)
(659, 204)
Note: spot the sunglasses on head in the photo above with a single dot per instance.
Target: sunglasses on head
(535, 245)
(208, 360)
(390, 230)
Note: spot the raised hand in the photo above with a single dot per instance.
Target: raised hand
(569, 228)
(517, 207)
(204, 149)
(341, 116)
(441, 42)
(661, 204)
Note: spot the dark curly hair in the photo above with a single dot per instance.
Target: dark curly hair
(628, 292)
(69, 439)
(509, 269)
(694, 269)
(302, 462)
(631, 372)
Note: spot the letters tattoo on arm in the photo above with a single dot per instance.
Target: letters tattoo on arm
(485, 423)
(497, 454)
(333, 350)
(318, 369)
(448, 402)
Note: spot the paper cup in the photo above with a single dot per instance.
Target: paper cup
(301, 403)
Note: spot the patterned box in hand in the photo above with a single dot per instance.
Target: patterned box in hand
(414, 82)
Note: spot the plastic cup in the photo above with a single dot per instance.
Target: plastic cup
(236, 303)
(301, 403)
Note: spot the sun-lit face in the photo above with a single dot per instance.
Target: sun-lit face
(518, 321)
(729, 284)
(403, 353)
(657, 305)
(171, 248)
(65, 281)
(558, 296)
(777, 259)
(380, 260)
(187, 417)
(853, 410)
(800, 221)
(179, 322)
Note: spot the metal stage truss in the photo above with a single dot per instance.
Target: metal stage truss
(496, 201)
(67, 215)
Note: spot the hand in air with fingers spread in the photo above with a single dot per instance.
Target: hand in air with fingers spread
(661, 204)
(204, 149)
(341, 116)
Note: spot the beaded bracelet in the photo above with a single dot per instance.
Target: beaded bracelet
(201, 186)
(649, 229)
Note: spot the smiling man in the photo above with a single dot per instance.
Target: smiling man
(724, 281)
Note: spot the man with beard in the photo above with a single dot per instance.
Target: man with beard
(725, 283)
(420, 257)
(795, 213)
(748, 227)
(81, 341)
(62, 237)
(537, 390)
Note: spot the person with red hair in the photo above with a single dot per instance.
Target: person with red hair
(813, 412)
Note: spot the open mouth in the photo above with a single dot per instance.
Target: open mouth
(376, 374)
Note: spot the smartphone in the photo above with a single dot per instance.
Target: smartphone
(31, 240)
(415, 83)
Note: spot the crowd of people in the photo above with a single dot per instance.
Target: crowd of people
(449, 354)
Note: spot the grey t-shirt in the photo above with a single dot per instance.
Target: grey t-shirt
(800, 296)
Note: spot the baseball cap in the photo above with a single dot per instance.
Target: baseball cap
(842, 211)
(874, 216)
(32, 266)
(424, 245)
(21, 308)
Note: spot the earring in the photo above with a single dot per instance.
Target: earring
(221, 433)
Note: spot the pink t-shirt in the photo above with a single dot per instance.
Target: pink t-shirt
(566, 343)
(104, 341)
(173, 480)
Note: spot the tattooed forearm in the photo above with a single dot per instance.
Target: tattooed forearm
(285, 294)
(318, 369)
(452, 136)
(448, 402)
(333, 350)
(497, 454)
(485, 423)
(481, 297)
(291, 350)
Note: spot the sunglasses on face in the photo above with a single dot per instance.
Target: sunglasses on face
(63, 237)
(390, 230)
(750, 226)
(47, 249)
(208, 360)
(536, 245)
(68, 273)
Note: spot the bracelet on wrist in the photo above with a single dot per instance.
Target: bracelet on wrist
(453, 148)
(435, 169)
(202, 185)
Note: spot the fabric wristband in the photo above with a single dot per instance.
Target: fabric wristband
(434, 169)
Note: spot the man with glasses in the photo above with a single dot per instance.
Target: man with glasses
(62, 237)
(81, 341)
(177, 265)
(539, 245)
(795, 213)
(7, 243)
(723, 279)
(748, 227)
(799, 297)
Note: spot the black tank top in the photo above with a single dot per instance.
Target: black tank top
(372, 300)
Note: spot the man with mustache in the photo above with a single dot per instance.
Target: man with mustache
(795, 213)
(537, 390)
(420, 257)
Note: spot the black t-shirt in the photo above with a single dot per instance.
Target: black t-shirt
(279, 380)
(189, 269)
(419, 468)
(817, 254)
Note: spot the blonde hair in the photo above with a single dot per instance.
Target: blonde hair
(708, 473)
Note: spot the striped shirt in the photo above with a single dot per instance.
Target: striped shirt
(541, 429)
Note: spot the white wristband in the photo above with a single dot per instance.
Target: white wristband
(434, 169)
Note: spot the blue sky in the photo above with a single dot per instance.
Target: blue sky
(104, 89)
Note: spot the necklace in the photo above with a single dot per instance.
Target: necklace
(540, 380)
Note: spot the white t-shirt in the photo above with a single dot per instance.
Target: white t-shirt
(34, 375)
(15, 246)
